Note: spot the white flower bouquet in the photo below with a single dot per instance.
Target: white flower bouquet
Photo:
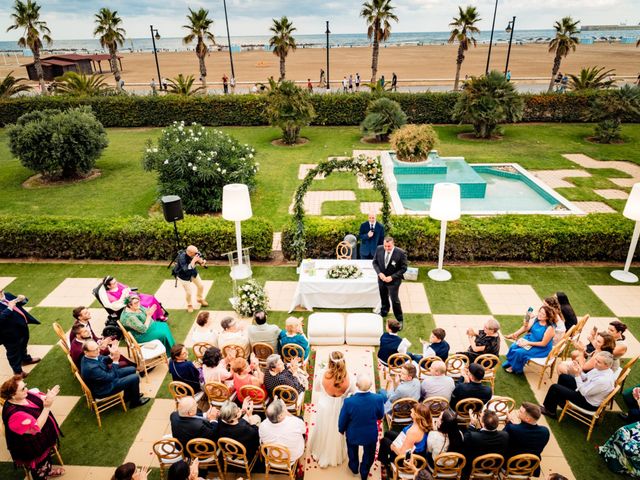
(251, 298)
(344, 272)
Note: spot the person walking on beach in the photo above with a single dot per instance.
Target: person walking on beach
(508, 75)
(309, 85)
(358, 81)
(232, 84)
(394, 82)
(382, 81)
(344, 84)
(154, 90)
(322, 81)
(557, 81)
(350, 83)
(225, 84)
(165, 84)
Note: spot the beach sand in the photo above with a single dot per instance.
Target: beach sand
(426, 65)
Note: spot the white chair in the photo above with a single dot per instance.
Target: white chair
(326, 328)
(363, 329)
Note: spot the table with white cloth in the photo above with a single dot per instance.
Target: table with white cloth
(315, 290)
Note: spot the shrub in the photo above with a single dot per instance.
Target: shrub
(592, 78)
(78, 84)
(58, 145)
(195, 163)
(486, 102)
(412, 143)
(610, 111)
(183, 86)
(289, 108)
(383, 117)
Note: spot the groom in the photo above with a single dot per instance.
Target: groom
(359, 420)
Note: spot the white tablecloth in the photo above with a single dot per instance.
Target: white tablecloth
(321, 292)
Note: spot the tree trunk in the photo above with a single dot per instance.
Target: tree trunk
(282, 67)
(554, 71)
(39, 71)
(374, 56)
(113, 61)
(203, 70)
(459, 61)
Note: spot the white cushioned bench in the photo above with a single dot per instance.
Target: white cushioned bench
(363, 329)
(326, 328)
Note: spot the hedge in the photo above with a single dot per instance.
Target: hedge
(535, 238)
(134, 238)
(248, 110)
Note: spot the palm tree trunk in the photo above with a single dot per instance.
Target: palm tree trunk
(203, 71)
(554, 71)
(459, 61)
(374, 57)
(282, 67)
(113, 60)
(39, 71)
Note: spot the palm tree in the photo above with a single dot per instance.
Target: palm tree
(377, 14)
(27, 16)
(183, 86)
(111, 35)
(464, 26)
(282, 41)
(592, 78)
(11, 85)
(81, 85)
(199, 28)
(566, 40)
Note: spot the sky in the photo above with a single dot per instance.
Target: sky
(73, 19)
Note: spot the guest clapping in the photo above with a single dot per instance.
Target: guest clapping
(182, 369)
(233, 333)
(484, 341)
(294, 333)
(139, 321)
(278, 374)
(283, 428)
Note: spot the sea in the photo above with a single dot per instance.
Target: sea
(335, 40)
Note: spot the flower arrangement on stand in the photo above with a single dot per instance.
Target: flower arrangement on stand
(343, 272)
(250, 298)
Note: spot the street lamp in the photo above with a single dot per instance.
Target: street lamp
(156, 36)
(495, 10)
(328, 32)
(510, 28)
(233, 75)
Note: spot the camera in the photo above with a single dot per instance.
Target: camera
(203, 258)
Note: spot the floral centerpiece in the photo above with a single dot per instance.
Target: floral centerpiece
(251, 298)
(344, 272)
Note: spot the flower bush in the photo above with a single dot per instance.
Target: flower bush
(412, 143)
(344, 272)
(251, 298)
(195, 163)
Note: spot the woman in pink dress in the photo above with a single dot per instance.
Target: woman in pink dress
(113, 293)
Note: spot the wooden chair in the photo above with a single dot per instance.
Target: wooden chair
(521, 467)
(290, 397)
(199, 349)
(486, 467)
(258, 396)
(180, 390)
(147, 355)
(424, 364)
(344, 251)
(502, 406)
(235, 454)
(407, 470)
(240, 352)
(573, 338)
(262, 352)
(168, 451)
(464, 408)
(217, 393)
(99, 405)
(456, 364)
(277, 458)
(622, 376)
(548, 362)
(206, 451)
(291, 351)
(72, 364)
(64, 342)
(490, 363)
(588, 417)
(394, 364)
(448, 466)
(400, 413)
(436, 406)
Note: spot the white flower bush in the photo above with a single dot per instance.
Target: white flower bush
(344, 272)
(251, 298)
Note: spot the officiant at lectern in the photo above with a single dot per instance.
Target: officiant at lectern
(390, 263)
(371, 236)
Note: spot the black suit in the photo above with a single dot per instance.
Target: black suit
(242, 432)
(470, 390)
(527, 438)
(480, 442)
(188, 428)
(14, 332)
(395, 269)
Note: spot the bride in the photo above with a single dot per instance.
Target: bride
(327, 446)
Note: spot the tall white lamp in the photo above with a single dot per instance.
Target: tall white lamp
(236, 206)
(631, 211)
(445, 206)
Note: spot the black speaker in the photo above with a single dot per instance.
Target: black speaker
(172, 208)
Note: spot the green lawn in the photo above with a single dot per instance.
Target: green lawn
(124, 189)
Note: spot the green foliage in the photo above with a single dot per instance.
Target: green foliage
(383, 117)
(535, 238)
(11, 85)
(488, 101)
(611, 110)
(111, 34)
(282, 41)
(289, 108)
(81, 85)
(58, 144)
(183, 86)
(195, 163)
(463, 29)
(26, 15)
(565, 41)
(592, 78)
(130, 238)
(412, 143)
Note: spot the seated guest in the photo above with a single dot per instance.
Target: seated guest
(408, 386)
(293, 333)
(438, 347)
(616, 330)
(263, 332)
(104, 378)
(215, 368)
(79, 335)
(128, 471)
(182, 470)
(447, 438)
(412, 437)
(245, 373)
(621, 452)
(182, 369)
(203, 331)
(631, 397)
(483, 437)
(240, 425)
(284, 429)
(583, 361)
(560, 327)
(187, 425)
(537, 343)
(437, 383)
(472, 386)
(82, 316)
(391, 342)
(484, 341)
(139, 321)
(525, 435)
(278, 374)
(586, 390)
(570, 318)
(113, 295)
(233, 333)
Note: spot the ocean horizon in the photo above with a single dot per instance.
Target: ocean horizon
(339, 40)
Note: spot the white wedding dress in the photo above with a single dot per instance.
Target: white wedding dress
(327, 446)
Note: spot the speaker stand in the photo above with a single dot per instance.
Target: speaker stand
(176, 240)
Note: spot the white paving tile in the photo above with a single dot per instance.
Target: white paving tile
(4, 281)
(173, 297)
(71, 292)
(622, 300)
(509, 299)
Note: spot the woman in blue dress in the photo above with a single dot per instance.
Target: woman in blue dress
(537, 343)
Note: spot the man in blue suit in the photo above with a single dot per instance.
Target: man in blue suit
(359, 421)
(371, 235)
(14, 331)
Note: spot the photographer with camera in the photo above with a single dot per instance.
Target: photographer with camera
(187, 274)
